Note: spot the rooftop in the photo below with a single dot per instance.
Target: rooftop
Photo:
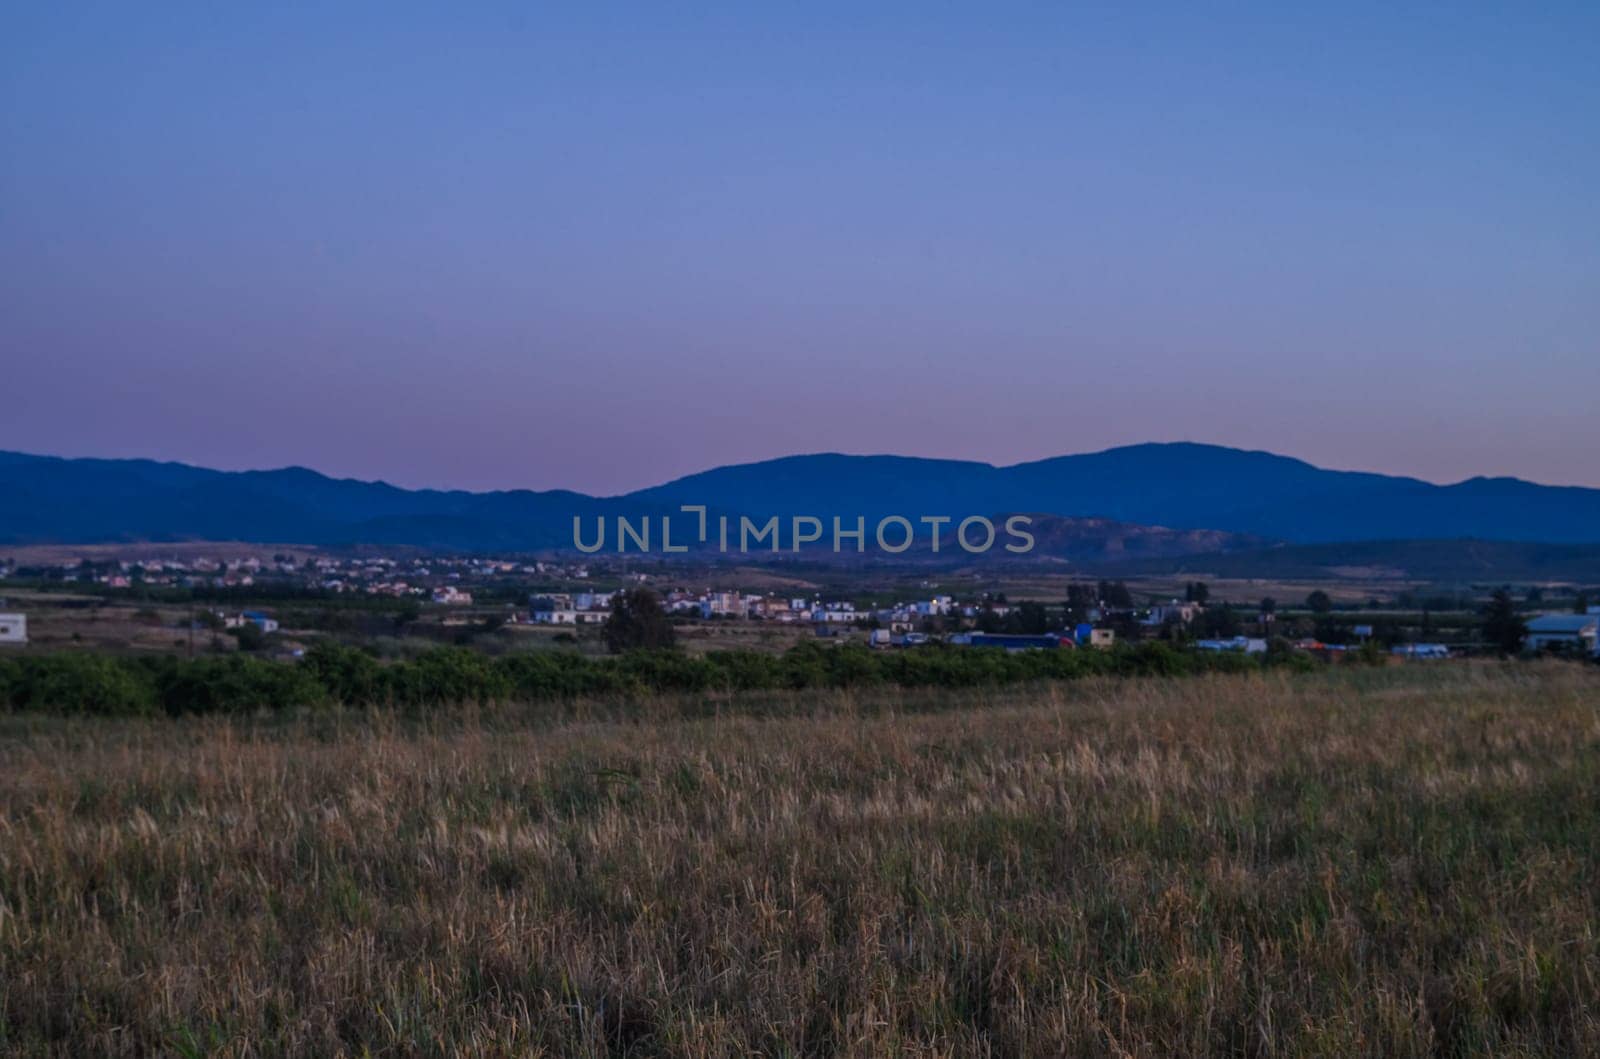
(1564, 623)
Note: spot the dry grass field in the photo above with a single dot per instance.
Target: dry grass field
(1365, 862)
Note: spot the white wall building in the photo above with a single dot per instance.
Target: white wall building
(1244, 644)
(1564, 632)
(723, 604)
(1162, 613)
(13, 629)
(250, 617)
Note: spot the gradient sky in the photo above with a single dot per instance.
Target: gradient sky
(596, 246)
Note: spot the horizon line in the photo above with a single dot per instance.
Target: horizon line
(1186, 443)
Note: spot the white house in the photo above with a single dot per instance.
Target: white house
(728, 604)
(251, 617)
(1420, 650)
(1245, 644)
(1563, 632)
(773, 609)
(547, 611)
(13, 628)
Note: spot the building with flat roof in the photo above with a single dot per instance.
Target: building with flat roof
(1563, 632)
(13, 629)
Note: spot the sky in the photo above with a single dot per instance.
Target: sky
(600, 246)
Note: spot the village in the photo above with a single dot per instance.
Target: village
(282, 600)
(1031, 625)
(435, 578)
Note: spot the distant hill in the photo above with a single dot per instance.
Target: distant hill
(46, 500)
(1101, 541)
(1183, 486)
(1146, 501)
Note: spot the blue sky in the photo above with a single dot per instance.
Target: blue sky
(517, 245)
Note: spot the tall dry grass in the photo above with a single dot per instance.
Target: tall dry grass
(1381, 863)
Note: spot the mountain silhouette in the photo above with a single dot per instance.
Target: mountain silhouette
(1180, 487)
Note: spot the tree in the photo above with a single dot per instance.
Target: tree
(1197, 592)
(408, 614)
(1370, 653)
(1327, 630)
(1028, 617)
(1581, 604)
(1319, 602)
(1503, 627)
(1269, 607)
(1280, 651)
(1115, 594)
(1081, 599)
(1218, 623)
(636, 621)
(250, 636)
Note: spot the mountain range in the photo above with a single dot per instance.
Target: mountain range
(1179, 485)
(1203, 498)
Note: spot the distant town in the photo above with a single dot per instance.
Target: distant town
(281, 601)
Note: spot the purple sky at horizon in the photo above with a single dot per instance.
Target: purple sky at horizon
(585, 248)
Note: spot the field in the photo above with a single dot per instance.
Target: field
(1402, 861)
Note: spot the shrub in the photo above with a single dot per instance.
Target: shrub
(349, 675)
(333, 673)
(235, 684)
(79, 683)
(446, 675)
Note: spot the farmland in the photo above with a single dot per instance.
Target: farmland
(1393, 861)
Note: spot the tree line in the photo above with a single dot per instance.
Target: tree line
(333, 674)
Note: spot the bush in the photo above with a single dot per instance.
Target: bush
(1370, 653)
(250, 636)
(664, 670)
(79, 683)
(557, 674)
(748, 670)
(235, 684)
(348, 675)
(333, 673)
(447, 675)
